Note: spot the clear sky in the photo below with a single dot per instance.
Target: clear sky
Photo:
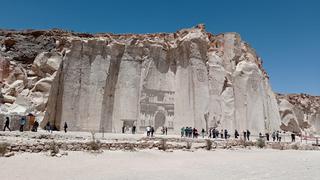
(285, 33)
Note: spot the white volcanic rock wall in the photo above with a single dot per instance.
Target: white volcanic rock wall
(188, 78)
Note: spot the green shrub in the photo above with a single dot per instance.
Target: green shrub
(3, 148)
(208, 144)
(261, 143)
(189, 145)
(163, 145)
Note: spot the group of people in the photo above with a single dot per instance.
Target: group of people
(33, 124)
(277, 136)
(189, 132)
(150, 131)
(125, 128)
(215, 133)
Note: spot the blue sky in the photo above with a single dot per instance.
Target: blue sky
(285, 33)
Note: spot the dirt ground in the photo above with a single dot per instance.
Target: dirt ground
(152, 164)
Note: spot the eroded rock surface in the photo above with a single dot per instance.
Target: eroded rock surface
(300, 112)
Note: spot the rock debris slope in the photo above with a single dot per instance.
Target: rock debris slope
(103, 81)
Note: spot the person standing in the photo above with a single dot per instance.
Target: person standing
(277, 135)
(65, 127)
(202, 132)
(6, 124)
(267, 136)
(35, 126)
(134, 129)
(244, 135)
(166, 130)
(22, 123)
(221, 133)
(152, 131)
(148, 130)
(226, 134)
(248, 134)
(273, 136)
(236, 134)
(293, 137)
(48, 127)
(280, 136)
(182, 131)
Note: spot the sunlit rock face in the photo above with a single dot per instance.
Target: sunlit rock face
(188, 78)
(103, 82)
(300, 113)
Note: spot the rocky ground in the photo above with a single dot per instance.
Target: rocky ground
(57, 143)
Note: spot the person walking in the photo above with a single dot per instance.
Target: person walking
(248, 134)
(244, 135)
(221, 134)
(6, 124)
(22, 123)
(166, 130)
(65, 127)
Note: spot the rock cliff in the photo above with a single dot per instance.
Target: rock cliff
(102, 82)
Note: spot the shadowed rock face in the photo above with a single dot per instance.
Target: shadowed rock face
(104, 81)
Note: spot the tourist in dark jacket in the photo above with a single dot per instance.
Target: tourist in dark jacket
(226, 134)
(248, 134)
(273, 136)
(293, 137)
(134, 129)
(152, 131)
(236, 134)
(65, 127)
(48, 127)
(267, 136)
(35, 126)
(6, 124)
(203, 132)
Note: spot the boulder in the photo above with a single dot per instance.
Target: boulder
(8, 99)
(46, 63)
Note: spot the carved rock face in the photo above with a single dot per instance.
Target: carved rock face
(172, 81)
(105, 82)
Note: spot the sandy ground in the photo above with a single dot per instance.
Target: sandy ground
(153, 164)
